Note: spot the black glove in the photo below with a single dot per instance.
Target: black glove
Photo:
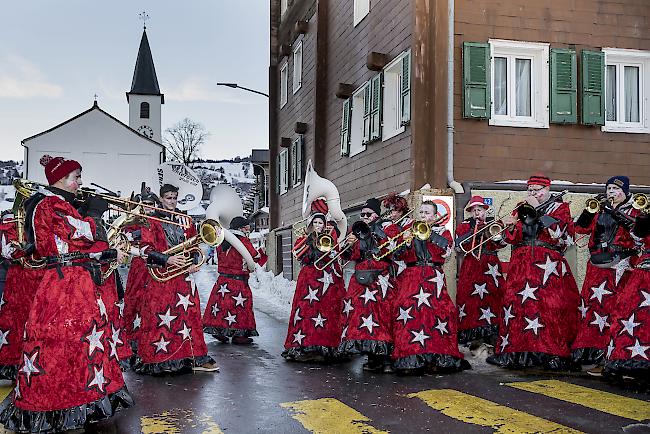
(585, 219)
(642, 226)
(108, 254)
(157, 258)
(93, 207)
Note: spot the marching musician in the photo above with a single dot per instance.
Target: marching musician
(315, 324)
(628, 350)
(480, 279)
(540, 301)
(398, 212)
(424, 316)
(68, 377)
(368, 302)
(170, 339)
(611, 247)
(229, 312)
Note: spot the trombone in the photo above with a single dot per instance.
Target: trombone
(494, 229)
(420, 229)
(360, 229)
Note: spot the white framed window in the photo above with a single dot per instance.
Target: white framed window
(284, 4)
(357, 144)
(297, 66)
(361, 9)
(520, 84)
(393, 97)
(284, 78)
(284, 171)
(296, 162)
(627, 91)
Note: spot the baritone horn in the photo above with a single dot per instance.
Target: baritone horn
(641, 202)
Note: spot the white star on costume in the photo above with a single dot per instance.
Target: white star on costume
(621, 267)
(347, 308)
(439, 280)
(298, 337)
(549, 267)
(646, 301)
(555, 233)
(30, 365)
(384, 283)
(98, 379)
(137, 321)
(564, 269)
(368, 295)
(184, 300)
(401, 266)
(102, 308)
(528, 292)
(2, 300)
(368, 323)
(215, 309)
(120, 306)
(494, 272)
(161, 345)
(629, 325)
(487, 315)
(600, 321)
(230, 318)
(81, 228)
(312, 295)
(3, 338)
(610, 348)
(94, 340)
(419, 337)
(504, 341)
(480, 290)
(17, 393)
(166, 319)
(638, 350)
(404, 315)
(599, 291)
(583, 308)
(507, 314)
(185, 332)
(319, 321)
(114, 341)
(344, 333)
(326, 280)
(422, 297)
(7, 248)
(533, 325)
(296, 316)
(239, 300)
(461, 312)
(223, 290)
(441, 327)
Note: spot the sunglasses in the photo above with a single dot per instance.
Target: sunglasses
(366, 214)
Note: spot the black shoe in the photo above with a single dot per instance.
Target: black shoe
(221, 338)
(242, 340)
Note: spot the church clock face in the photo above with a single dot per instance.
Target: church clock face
(146, 131)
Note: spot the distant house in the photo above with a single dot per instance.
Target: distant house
(260, 220)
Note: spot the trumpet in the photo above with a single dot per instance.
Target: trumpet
(420, 229)
(596, 204)
(324, 243)
(360, 229)
(210, 233)
(641, 202)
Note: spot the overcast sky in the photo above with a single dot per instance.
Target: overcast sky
(55, 55)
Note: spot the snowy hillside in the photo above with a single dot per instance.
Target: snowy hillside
(232, 173)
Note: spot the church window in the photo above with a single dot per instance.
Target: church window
(144, 110)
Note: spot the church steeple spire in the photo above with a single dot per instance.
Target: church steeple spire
(145, 81)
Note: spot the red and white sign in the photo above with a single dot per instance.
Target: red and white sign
(445, 206)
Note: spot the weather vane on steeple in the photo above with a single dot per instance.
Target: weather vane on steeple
(144, 17)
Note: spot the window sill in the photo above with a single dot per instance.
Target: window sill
(517, 124)
(391, 134)
(357, 22)
(297, 89)
(621, 128)
(282, 105)
(296, 185)
(357, 152)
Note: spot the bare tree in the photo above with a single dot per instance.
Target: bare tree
(183, 140)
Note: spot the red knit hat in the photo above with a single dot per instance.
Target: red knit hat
(319, 206)
(58, 167)
(474, 201)
(539, 179)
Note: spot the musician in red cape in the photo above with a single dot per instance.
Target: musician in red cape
(67, 377)
(540, 302)
(425, 317)
(480, 279)
(611, 247)
(368, 301)
(398, 210)
(229, 312)
(315, 324)
(170, 339)
(628, 351)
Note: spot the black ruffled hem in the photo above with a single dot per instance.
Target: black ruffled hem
(587, 356)
(217, 332)
(25, 421)
(615, 370)
(377, 348)
(127, 365)
(443, 363)
(478, 333)
(523, 360)
(329, 354)
(170, 367)
(8, 372)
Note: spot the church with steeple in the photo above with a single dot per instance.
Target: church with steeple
(113, 154)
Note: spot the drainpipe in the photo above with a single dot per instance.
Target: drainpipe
(455, 185)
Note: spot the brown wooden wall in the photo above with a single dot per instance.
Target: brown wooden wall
(574, 153)
(383, 166)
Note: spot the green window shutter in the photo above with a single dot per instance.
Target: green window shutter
(278, 175)
(367, 95)
(476, 80)
(299, 150)
(564, 86)
(294, 160)
(406, 89)
(593, 87)
(346, 118)
(285, 162)
(377, 95)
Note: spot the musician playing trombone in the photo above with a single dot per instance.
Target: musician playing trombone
(540, 302)
(315, 324)
(607, 220)
(424, 316)
(480, 279)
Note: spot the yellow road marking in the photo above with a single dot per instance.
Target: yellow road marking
(329, 415)
(606, 402)
(478, 411)
(212, 427)
(4, 391)
(169, 422)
